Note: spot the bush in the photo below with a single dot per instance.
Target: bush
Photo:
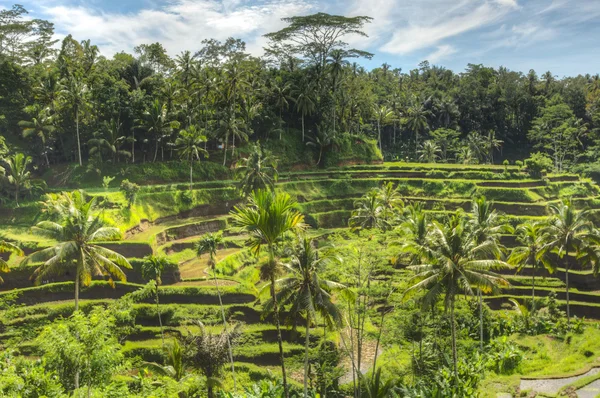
(538, 164)
(130, 190)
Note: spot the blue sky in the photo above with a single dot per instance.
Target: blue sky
(557, 35)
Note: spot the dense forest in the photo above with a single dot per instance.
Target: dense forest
(65, 102)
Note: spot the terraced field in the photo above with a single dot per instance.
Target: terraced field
(169, 220)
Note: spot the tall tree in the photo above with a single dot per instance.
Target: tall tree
(189, 146)
(152, 269)
(19, 175)
(306, 292)
(76, 233)
(257, 171)
(383, 117)
(305, 102)
(42, 127)
(75, 94)
(568, 232)
(454, 262)
(266, 219)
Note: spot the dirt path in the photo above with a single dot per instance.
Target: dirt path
(592, 390)
(552, 386)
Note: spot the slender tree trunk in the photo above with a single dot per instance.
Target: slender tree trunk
(225, 326)
(379, 135)
(46, 156)
(232, 145)
(306, 342)
(377, 345)
(303, 127)
(278, 325)
(191, 173)
(320, 154)
(533, 288)
(480, 320)
(77, 130)
(77, 291)
(225, 150)
(453, 330)
(155, 151)
(162, 333)
(568, 265)
(17, 194)
(132, 145)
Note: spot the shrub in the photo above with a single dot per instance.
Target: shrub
(106, 180)
(504, 356)
(538, 164)
(130, 190)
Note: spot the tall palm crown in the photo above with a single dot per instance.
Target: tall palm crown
(7, 247)
(369, 212)
(257, 171)
(305, 102)
(209, 244)
(189, 146)
(568, 230)
(18, 174)
(454, 263)
(40, 126)
(429, 152)
(383, 116)
(76, 233)
(417, 122)
(75, 93)
(531, 251)
(486, 222)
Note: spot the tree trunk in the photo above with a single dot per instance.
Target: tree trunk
(303, 127)
(191, 172)
(379, 135)
(77, 130)
(320, 154)
(306, 342)
(225, 150)
(132, 145)
(77, 291)
(155, 151)
(278, 325)
(453, 330)
(162, 334)
(533, 289)
(17, 194)
(46, 156)
(480, 320)
(567, 283)
(225, 326)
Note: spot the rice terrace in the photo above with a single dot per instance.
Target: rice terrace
(294, 223)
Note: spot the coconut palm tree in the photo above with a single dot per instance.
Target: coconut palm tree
(322, 139)
(568, 231)
(75, 94)
(305, 102)
(209, 244)
(306, 292)
(390, 199)
(18, 174)
(453, 262)
(155, 121)
(76, 233)
(416, 121)
(266, 219)
(7, 247)
(429, 152)
(175, 367)
(152, 269)
(40, 126)
(369, 212)
(189, 145)
(532, 251)
(281, 94)
(383, 117)
(487, 225)
(231, 126)
(109, 139)
(257, 171)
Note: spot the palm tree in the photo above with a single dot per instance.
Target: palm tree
(257, 171)
(155, 121)
(487, 225)
(306, 292)
(429, 152)
(18, 175)
(75, 93)
(7, 247)
(453, 263)
(322, 139)
(416, 120)
(110, 139)
(390, 199)
(533, 251)
(568, 230)
(305, 102)
(210, 244)
(231, 126)
(266, 219)
(281, 92)
(189, 145)
(208, 352)
(383, 117)
(40, 126)
(175, 367)
(76, 233)
(152, 269)
(336, 65)
(369, 212)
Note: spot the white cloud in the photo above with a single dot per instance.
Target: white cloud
(180, 25)
(440, 53)
(438, 20)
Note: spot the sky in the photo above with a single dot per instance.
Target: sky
(557, 35)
